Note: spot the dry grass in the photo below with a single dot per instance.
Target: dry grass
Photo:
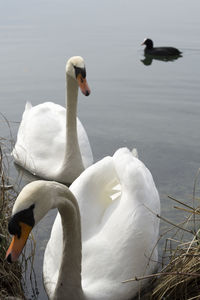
(10, 274)
(180, 278)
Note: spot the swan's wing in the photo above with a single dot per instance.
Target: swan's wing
(125, 244)
(84, 144)
(41, 139)
(136, 179)
(92, 191)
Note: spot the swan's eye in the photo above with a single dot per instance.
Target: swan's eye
(81, 71)
(26, 216)
(14, 228)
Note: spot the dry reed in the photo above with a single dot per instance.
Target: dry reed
(10, 274)
(180, 278)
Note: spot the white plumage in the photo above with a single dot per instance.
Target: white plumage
(118, 237)
(48, 146)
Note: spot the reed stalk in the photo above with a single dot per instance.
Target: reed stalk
(10, 274)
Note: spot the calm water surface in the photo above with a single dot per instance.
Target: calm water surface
(153, 107)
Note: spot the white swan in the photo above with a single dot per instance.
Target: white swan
(119, 231)
(47, 145)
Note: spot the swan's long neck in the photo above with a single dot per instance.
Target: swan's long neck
(72, 165)
(69, 279)
(71, 110)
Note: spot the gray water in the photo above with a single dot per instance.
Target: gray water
(152, 107)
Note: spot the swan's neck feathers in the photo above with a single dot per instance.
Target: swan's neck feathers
(72, 165)
(71, 257)
(69, 278)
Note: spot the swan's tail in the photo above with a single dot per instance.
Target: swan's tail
(28, 106)
(135, 152)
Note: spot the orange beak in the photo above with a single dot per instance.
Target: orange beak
(17, 244)
(82, 82)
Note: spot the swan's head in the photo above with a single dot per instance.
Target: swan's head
(29, 208)
(75, 68)
(148, 43)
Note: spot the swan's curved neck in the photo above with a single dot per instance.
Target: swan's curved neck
(72, 165)
(69, 278)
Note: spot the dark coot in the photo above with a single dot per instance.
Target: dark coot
(160, 51)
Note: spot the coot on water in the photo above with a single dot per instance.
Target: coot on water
(160, 51)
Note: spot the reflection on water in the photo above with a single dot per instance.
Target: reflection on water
(147, 61)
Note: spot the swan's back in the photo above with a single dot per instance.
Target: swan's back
(41, 139)
(119, 232)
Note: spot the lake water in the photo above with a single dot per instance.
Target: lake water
(153, 107)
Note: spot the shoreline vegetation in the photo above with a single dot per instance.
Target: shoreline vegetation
(10, 274)
(178, 275)
(179, 278)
